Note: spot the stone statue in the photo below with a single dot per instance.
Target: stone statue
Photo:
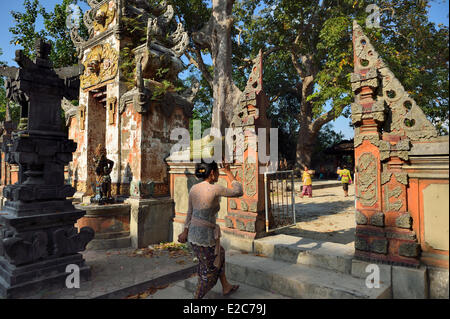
(103, 167)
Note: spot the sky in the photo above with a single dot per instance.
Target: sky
(439, 13)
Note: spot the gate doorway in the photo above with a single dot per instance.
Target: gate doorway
(280, 200)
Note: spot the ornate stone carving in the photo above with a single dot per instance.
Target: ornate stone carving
(19, 251)
(377, 219)
(360, 218)
(405, 117)
(244, 205)
(250, 174)
(392, 193)
(233, 204)
(404, 221)
(70, 110)
(67, 242)
(379, 246)
(409, 249)
(101, 64)
(103, 167)
(37, 204)
(367, 181)
(402, 178)
(104, 16)
(243, 115)
(253, 207)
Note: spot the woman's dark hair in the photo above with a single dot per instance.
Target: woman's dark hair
(203, 170)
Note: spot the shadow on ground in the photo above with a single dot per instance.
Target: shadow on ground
(346, 236)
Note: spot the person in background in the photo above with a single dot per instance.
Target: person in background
(307, 183)
(346, 178)
(201, 229)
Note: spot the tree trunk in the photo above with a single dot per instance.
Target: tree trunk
(216, 36)
(305, 147)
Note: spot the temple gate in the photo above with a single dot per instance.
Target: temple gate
(398, 155)
(129, 103)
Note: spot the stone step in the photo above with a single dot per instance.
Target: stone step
(298, 281)
(174, 291)
(304, 251)
(244, 292)
(184, 289)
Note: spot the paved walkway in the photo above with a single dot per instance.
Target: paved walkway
(327, 216)
(125, 273)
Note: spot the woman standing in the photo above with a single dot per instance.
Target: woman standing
(346, 178)
(201, 230)
(307, 183)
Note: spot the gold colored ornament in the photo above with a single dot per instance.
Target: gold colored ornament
(104, 16)
(101, 65)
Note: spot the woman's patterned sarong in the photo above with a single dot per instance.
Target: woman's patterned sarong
(208, 274)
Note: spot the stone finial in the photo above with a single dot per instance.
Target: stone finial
(406, 117)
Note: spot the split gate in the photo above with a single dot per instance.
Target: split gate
(279, 199)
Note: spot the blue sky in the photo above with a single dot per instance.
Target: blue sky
(439, 13)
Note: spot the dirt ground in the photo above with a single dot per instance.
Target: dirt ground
(327, 216)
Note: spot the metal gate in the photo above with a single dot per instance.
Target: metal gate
(280, 200)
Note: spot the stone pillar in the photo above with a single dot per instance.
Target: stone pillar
(37, 237)
(387, 121)
(246, 215)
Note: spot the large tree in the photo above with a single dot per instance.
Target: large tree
(313, 57)
(309, 58)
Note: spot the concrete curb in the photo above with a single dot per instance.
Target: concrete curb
(156, 282)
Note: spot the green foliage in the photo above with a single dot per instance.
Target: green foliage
(24, 32)
(415, 49)
(55, 31)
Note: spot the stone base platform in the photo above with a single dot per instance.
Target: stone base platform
(120, 273)
(111, 224)
(21, 281)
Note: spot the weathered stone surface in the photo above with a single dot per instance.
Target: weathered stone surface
(360, 218)
(379, 246)
(229, 241)
(361, 244)
(240, 224)
(404, 221)
(438, 281)
(409, 283)
(228, 222)
(150, 220)
(253, 207)
(298, 281)
(250, 227)
(409, 249)
(359, 270)
(37, 235)
(233, 204)
(377, 219)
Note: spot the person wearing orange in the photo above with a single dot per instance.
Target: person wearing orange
(346, 179)
(307, 183)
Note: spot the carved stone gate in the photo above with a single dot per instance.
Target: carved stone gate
(388, 126)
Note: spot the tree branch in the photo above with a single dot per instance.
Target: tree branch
(323, 119)
(200, 64)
